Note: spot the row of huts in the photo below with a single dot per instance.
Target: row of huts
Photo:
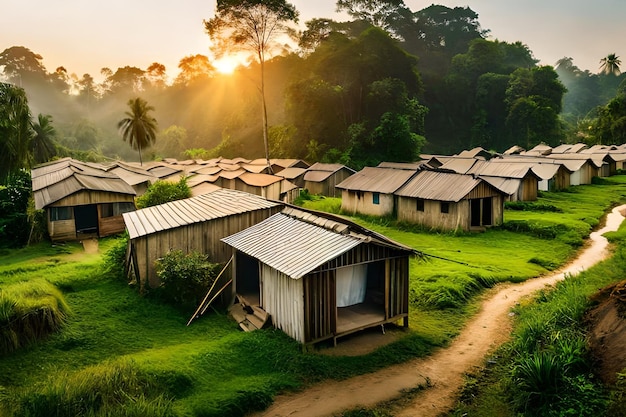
(87, 199)
(467, 191)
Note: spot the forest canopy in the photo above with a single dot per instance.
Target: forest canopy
(388, 84)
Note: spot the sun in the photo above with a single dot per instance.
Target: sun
(227, 64)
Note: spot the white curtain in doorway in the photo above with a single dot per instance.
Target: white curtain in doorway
(351, 284)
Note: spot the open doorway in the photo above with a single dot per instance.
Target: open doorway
(247, 285)
(360, 296)
(86, 219)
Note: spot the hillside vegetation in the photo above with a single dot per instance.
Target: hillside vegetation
(122, 354)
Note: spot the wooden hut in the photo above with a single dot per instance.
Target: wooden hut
(194, 224)
(448, 201)
(319, 276)
(322, 179)
(371, 190)
(81, 199)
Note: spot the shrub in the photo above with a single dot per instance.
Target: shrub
(531, 206)
(115, 257)
(185, 278)
(163, 192)
(14, 227)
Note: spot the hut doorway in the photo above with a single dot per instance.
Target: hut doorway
(360, 295)
(481, 212)
(86, 219)
(248, 285)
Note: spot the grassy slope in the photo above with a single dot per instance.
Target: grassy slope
(223, 371)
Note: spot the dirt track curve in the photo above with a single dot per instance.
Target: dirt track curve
(445, 368)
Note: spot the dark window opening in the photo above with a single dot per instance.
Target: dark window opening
(445, 207)
(419, 206)
(61, 213)
(376, 198)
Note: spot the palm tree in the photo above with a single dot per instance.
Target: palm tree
(610, 65)
(42, 142)
(139, 128)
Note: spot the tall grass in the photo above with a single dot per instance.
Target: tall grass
(29, 311)
(108, 389)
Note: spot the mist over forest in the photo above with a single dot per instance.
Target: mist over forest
(388, 85)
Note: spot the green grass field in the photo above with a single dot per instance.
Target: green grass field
(113, 337)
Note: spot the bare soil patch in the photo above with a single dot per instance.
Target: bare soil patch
(607, 332)
(441, 374)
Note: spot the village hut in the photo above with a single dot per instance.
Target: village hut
(81, 200)
(293, 175)
(413, 166)
(519, 180)
(319, 276)
(448, 201)
(371, 190)
(322, 179)
(268, 186)
(583, 167)
(193, 224)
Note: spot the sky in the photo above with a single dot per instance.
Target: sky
(85, 35)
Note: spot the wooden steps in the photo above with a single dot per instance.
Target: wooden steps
(249, 317)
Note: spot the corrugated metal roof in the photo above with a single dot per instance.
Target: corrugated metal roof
(291, 246)
(259, 180)
(319, 166)
(209, 170)
(258, 169)
(220, 203)
(289, 163)
(377, 180)
(459, 165)
(401, 165)
(291, 173)
(203, 188)
(439, 186)
(508, 186)
(317, 176)
(199, 179)
(498, 169)
(54, 181)
(230, 175)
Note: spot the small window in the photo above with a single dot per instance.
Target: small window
(115, 209)
(60, 213)
(419, 206)
(445, 207)
(376, 198)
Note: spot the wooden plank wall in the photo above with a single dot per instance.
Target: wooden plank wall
(203, 237)
(320, 313)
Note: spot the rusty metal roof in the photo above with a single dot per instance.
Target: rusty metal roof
(214, 205)
(439, 186)
(378, 180)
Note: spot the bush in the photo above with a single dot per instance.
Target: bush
(14, 226)
(162, 192)
(115, 257)
(185, 278)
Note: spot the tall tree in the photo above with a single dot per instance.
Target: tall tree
(139, 127)
(610, 65)
(15, 130)
(43, 139)
(253, 26)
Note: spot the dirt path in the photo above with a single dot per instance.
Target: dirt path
(445, 368)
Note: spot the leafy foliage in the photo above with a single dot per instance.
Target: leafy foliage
(185, 277)
(161, 192)
(15, 226)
